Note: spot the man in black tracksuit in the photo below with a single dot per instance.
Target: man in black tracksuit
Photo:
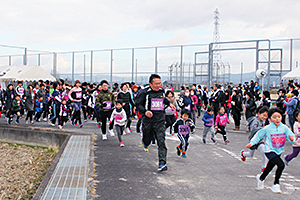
(151, 103)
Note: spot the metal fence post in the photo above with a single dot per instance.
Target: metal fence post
(91, 74)
(132, 65)
(291, 55)
(155, 60)
(39, 59)
(9, 60)
(111, 68)
(257, 60)
(25, 57)
(269, 65)
(210, 61)
(73, 68)
(181, 63)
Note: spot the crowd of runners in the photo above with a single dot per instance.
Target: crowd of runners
(159, 112)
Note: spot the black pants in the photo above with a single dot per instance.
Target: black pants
(62, 120)
(221, 129)
(199, 110)
(237, 118)
(128, 115)
(138, 125)
(84, 110)
(156, 129)
(97, 114)
(29, 115)
(170, 120)
(76, 117)
(104, 115)
(271, 164)
(46, 111)
(38, 116)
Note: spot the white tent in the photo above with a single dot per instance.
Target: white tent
(23, 73)
(294, 74)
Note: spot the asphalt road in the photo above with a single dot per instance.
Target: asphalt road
(210, 171)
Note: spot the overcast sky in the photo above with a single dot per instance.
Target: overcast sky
(66, 25)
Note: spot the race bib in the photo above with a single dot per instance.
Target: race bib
(169, 109)
(278, 140)
(108, 105)
(78, 95)
(12, 96)
(118, 118)
(188, 107)
(183, 129)
(211, 122)
(223, 120)
(157, 104)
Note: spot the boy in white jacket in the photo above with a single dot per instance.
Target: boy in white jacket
(118, 118)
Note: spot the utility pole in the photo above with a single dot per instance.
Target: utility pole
(135, 71)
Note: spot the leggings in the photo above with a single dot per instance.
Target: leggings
(46, 111)
(29, 115)
(260, 148)
(55, 111)
(221, 129)
(84, 109)
(119, 130)
(193, 113)
(280, 167)
(104, 115)
(38, 115)
(294, 154)
(170, 120)
(76, 116)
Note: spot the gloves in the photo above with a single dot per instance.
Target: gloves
(216, 127)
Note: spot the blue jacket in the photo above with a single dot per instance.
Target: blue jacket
(208, 119)
(291, 106)
(275, 137)
(39, 106)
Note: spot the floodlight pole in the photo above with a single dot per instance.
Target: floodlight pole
(9, 60)
(155, 60)
(181, 65)
(269, 64)
(91, 73)
(132, 65)
(25, 57)
(111, 68)
(73, 68)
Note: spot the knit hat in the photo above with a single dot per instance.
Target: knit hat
(77, 81)
(133, 87)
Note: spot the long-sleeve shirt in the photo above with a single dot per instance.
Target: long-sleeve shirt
(39, 106)
(208, 119)
(275, 137)
(183, 127)
(75, 94)
(222, 120)
(119, 117)
(63, 110)
(297, 134)
(56, 96)
(291, 105)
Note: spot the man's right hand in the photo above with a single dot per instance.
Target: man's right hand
(149, 114)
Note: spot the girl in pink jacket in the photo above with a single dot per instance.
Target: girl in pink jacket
(221, 122)
(194, 108)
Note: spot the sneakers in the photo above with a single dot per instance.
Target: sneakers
(32, 122)
(81, 125)
(243, 158)
(128, 130)
(142, 144)
(111, 132)
(226, 142)
(285, 161)
(104, 137)
(162, 167)
(52, 124)
(8, 121)
(26, 122)
(146, 148)
(121, 144)
(59, 126)
(72, 122)
(98, 125)
(276, 188)
(17, 122)
(213, 140)
(85, 120)
(263, 169)
(178, 151)
(193, 130)
(203, 140)
(260, 184)
(183, 155)
(45, 119)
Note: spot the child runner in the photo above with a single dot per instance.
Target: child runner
(63, 114)
(56, 97)
(276, 134)
(195, 102)
(75, 95)
(15, 110)
(255, 124)
(38, 108)
(221, 122)
(183, 127)
(119, 117)
(296, 145)
(29, 104)
(208, 119)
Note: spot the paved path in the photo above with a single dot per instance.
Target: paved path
(211, 171)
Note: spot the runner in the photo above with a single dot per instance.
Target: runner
(151, 103)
